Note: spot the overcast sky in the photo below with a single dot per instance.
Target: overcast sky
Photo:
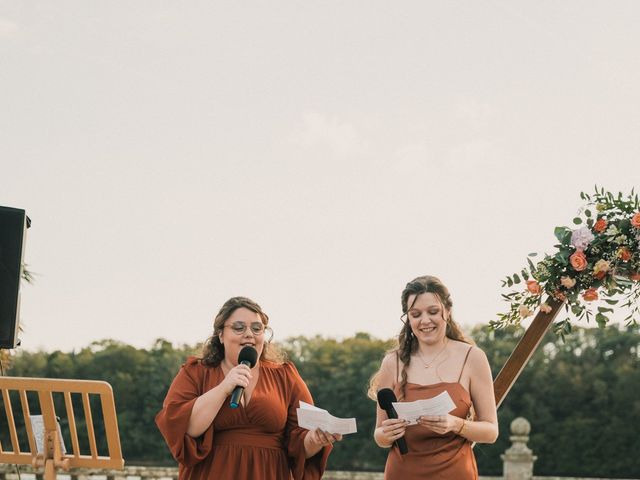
(314, 156)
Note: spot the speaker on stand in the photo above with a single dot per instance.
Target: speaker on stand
(13, 226)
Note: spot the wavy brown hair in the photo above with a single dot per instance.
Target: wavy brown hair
(407, 342)
(213, 350)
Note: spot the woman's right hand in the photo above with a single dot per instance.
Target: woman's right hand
(391, 430)
(238, 376)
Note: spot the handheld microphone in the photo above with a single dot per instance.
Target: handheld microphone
(247, 356)
(385, 399)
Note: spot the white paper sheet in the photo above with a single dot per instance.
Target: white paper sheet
(410, 411)
(37, 424)
(311, 417)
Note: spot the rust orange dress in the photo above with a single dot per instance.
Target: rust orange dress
(433, 456)
(260, 440)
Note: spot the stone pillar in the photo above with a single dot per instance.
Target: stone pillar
(518, 459)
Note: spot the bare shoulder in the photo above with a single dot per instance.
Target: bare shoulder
(473, 354)
(462, 348)
(389, 360)
(478, 361)
(477, 354)
(390, 365)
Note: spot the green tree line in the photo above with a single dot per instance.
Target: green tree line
(581, 396)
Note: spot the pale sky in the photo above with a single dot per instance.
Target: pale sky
(314, 156)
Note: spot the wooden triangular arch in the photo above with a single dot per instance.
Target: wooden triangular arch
(525, 348)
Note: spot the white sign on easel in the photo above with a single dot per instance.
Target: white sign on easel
(37, 424)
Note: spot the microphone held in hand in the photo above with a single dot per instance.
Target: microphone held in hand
(385, 399)
(248, 356)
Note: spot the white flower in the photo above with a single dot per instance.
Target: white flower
(612, 231)
(524, 311)
(620, 239)
(581, 238)
(542, 270)
(545, 308)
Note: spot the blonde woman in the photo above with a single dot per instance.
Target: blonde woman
(434, 356)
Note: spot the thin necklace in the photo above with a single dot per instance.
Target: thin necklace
(427, 365)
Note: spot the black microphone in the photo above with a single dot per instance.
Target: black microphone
(385, 399)
(247, 356)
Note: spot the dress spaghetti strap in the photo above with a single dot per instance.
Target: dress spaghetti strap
(465, 363)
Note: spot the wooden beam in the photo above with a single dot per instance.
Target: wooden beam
(524, 350)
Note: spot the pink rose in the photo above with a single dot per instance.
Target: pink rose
(545, 308)
(567, 282)
(635, 220)
(578, 261)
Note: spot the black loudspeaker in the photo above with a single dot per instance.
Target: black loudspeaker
(13, 224)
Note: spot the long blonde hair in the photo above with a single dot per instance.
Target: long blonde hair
(407, 342)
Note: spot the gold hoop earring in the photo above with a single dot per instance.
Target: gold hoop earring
(270, 330)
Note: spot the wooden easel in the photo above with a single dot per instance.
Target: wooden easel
(524, 350)
(52, 457)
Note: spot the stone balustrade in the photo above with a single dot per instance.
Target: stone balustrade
(518, 463)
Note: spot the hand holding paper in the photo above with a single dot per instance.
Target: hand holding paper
(311, 417)
(410, 411)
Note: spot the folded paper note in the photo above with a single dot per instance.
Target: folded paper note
(311, 417)
(410, 411)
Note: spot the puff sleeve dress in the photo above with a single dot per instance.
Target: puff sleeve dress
(258, 440)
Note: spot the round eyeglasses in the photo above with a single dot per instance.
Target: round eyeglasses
(239, 328)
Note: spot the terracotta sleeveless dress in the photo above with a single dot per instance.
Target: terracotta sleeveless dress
(258, 441)
(433, 456)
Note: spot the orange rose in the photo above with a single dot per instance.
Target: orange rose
(635, 276)
(599, 275)
(635, 220)
(601, 225)
(590, 295)
(578, 261)
(534, 287)
(624, 254)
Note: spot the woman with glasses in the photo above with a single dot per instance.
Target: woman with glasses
(433, 356)
(261, 438)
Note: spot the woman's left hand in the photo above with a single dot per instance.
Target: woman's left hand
(317, 439)
(321, 438)
(441, 423)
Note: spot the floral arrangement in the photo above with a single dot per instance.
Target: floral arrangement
(597, 259)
